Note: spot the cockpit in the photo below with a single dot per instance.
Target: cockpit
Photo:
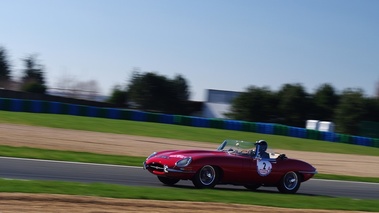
(254, 149)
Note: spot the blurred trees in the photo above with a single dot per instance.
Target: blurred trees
(371, 109)
(5, 71)
(152, 92)
(256, 104)
(86, 89)
(325, 101)
(292, 106)
(180, 88)
(69, 86)
(118, 96)
(33, 79)
(349, 111)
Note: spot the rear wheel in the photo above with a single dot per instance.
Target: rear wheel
(290, 183)
(206, 177)
(168, 181)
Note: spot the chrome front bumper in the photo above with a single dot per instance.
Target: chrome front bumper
(166, 169)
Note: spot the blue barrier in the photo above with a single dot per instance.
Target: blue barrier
(329, 136)
(36, 106)
(204, 122)
(55, 107)
(367, 141)
(232, 125)
(167, 119)
(138, 116)
(92, 111)
(265, 128)
(73, 110)
(363, 141)
(356, 140)
(113, 113)
(16, 105)
(297, 132)
(200, 122)
(261, 128)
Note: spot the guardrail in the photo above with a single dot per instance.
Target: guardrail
(37, 106)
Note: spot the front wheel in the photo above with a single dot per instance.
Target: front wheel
(290, 183)
(168, 181)
(206, 177)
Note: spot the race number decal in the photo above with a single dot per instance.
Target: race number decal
(263, 167)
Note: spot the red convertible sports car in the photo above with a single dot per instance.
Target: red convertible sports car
(234, 162)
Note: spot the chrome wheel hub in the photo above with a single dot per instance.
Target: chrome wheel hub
(291, 180)
(207, 175)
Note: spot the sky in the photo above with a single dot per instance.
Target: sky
(214, 44)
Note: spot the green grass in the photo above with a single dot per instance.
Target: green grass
(178, 132)
(190, 194)
(46, 154)
(347, 178)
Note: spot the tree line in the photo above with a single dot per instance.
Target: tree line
(292, 106)
(32, 80)
(155, 93)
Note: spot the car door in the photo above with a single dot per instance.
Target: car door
(261, 169)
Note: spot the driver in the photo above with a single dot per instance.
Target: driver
(262, 149)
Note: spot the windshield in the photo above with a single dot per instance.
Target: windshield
(238, 147)
(243, 148)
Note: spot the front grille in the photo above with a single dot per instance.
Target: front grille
(156, 167)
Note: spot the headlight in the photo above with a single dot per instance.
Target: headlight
(152, 155)
(183, 162)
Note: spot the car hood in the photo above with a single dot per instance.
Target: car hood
(179, 154)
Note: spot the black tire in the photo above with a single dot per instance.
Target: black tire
(290, 183)
(206, 177)
(253, 186)
(168, 181)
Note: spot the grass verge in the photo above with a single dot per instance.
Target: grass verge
(185, 194)
(85, 157)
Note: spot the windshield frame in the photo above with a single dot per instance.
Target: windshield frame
(238, 147)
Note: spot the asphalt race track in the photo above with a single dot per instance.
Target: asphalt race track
(18, 168)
